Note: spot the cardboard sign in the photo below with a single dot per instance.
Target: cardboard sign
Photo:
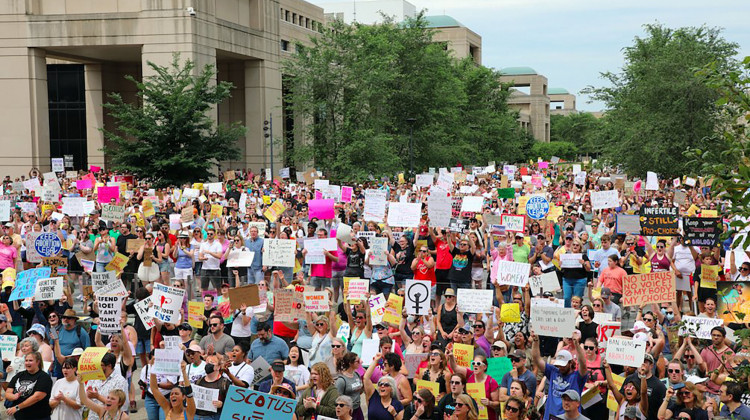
(393, 309)
(245, 294)
(547, 282)
(279, 252)
(167, 302)
(553, 321)
(640, 289)
(463, 353)
(513, 223)
(625, 352)
(702, 231)
(418, 294)
(604, 199)
(90, 363)
(195, 314)
(283, 303)
(628, 224)
(316, 301)
(510, 312)
(512, 273)
(57, 265)
(656, 221)
(167, 362)
(475, 301)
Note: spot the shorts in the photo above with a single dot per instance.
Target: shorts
(183, 273)
(164, 267)
(320, 282)
(142, 346)
(442, 282)
(337, 280)
(477, 274)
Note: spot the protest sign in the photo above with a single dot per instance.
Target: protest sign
(478, 393)
(660, 221)
(374, 209)
(248, 295)
(463, 353)
(699, 326)
(547, 282)
(105, 195)
(172, 342)
(57, 265)
(316, 301)
(412, 361)
(101, 279)
(110, 308)
(702, 231)
(393, 309)
(652, 181)
(133, 245)
(472, 204)
(378, 251)
(433, 387)
(404, 214)
(417, 297)
(321, 209)
(167, 362)
(458, 225)
(358, 288)
(474, 301)
(604, 199)
(279, 252)
(49, 289)
(537, 207)
(283, 302)
(273, 212)
(628, 224)
(709, 276)
(642, 289)
(113, 213)
(240, 258)
(553, 321)
(204, 398)
(167, 302)
(73, 206)
(625, 351)
(8, 346)
(42, 244)
(424, 180)
(439, 208)
(195, 314)
(606, 330)
(243, 403)
(497, 367)
(90, 363)
(612, 403)
(377, 308)
(512, 273)
(510, 312)
(315, 248)
(26, 283)
(145, 313)
(4, 210)
(570, 260)
(513, 223)
(118, 263)
(370, 347)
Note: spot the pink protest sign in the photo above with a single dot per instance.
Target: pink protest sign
(84, 184)
(321, 209)
(543, 165)
(105, 194)
(95, 169)
(318, 195)
(346, 194)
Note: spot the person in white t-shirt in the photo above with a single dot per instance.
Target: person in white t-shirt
(237, 369)
(684, 257)
(196, 368)
(210, 253)
(64, 399)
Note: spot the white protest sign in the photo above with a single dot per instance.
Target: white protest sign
(172, 342)
(261, 370)
(73, 206)
(699, 326)
(417, 297)
(652, 181)
(553, 321)
(167, 302)
(370, 347)
(316, 301)
(580, 178)
(58, 165)
(204, 398)
(101, 279)
(439, 207)
(404, 214)
(49, 289)
(115, 288)
(279, 252)
(112, 213)
(475, 301)
(625, 351)
(604, 200)
(8, 346)
(601, 317)
(572, 260)
(374, 210)
(512, 273)
(513, 223)
(472, 203)
(4, 210)
(167, 362)
(240, 258)
(110, 309)
(547, 282)
(358, 289)
(315, 248)
(377, 308)
(445, 181)
(424, 180)
(344, 233)
(606, 330)
(378, 251)
(144, 311)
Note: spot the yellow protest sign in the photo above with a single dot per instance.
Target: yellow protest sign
(692, 210)
(266, 200)
(139, 220)
(463, 353)
(611, 401)
(274, 212)
(216, 210)
(476, 391)
(393, 309)
(118, 263)
(9, 277)
(46, 207)
(148, 208)
(434, 387)
(554, 212)
(709, 276)
(709, 213)
(401, 179)
(522, 204)
(90, 363)
(510, 312)
(195, 312)
(198, 185)
(596, 292)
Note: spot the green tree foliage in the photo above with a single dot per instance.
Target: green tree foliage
(581, 129)
(168, 135)
(357, 85)
(730, 166)
(563, 149)
(658, 107)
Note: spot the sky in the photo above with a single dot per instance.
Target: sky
(572, 42)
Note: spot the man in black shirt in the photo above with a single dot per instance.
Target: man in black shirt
(122, 246)
(463, 257)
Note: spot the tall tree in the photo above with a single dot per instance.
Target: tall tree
(658, 107)
(581, 129)
(167, 136)
(358, 86)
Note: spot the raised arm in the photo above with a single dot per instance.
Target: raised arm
(158, 396)
(536, 355)
(85, 400)
(611, 383)
(452, 363)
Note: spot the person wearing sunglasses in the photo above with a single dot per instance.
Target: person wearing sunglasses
(382, 398)
(216, 341)
(575, 266)
(515, 409)
(633, 395)
(691, 358)
(344, 409)
(437, 371)
(596, 378)
(689, 399)
(561, 374)
(235, 256)
(465, 408)
(422, 406)
(518, 372)
(478, 374)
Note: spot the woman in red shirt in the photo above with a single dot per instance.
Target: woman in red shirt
(423, 266)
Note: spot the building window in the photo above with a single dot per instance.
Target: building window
(294, 18)
(284, 45)
(66, 92)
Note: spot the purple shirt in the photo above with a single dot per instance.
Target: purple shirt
(484, 344)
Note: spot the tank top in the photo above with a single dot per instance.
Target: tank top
(183, 259)
(448, 319)
(660, 264)
(357, 340)
(424, 273)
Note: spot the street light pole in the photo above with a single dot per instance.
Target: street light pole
(411, 122)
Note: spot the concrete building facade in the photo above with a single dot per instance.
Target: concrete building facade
(368, 12)
(530, 98)
(461, 41)
(562, 102)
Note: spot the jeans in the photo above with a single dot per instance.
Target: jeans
(100, 267)
(573, 287)
(379, 286)
(255, 275)
(153, 411)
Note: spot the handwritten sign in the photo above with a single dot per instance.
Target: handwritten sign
(118, 263)
(433, 387)
(378, 251)
(512, 273)
(8, 346)
(513, 223)
(625, 352)
(246, 403)
(404, 214)
(113, 213)
(475, 301)
(279, 252)
(374, 210)
(606, 330)
(641, 289)
(204, 398)
(49, 289)
(195, 314)
(709, 276)
(26, 283)
(90, 363)
(110, 308)
(393, 309)
(510, 312)
(145, 313)
(658, 221)
(358, 289)
(274, 211)
(167, 362)
(702, 231)
(604, 199)
(699, 327)
(553, 321)
(377, 308)
(463, 353)
(477, 392)
(547, 282)
(248, 295)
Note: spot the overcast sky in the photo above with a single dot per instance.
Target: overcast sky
(573, 41)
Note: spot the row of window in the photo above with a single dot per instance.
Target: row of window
(296, 19)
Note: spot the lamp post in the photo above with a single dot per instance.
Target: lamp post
(411, 122)
(268, 134)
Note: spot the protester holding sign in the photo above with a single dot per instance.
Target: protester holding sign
(575, 276)
(478, 374)
(561, 375)
(633, 400)
(175, 406)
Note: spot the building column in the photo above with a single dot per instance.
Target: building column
(24, 116)
(263, 100)
(94, 114)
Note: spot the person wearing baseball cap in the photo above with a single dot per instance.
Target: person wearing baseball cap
(518, 373)
(521, 249)
(277, 379)
(196, 369)
(561, 375)
(571, 401)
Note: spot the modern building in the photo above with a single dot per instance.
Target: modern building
(60, 59)
(530, 98)
(368, 12)
(562, 102)
(461, 41)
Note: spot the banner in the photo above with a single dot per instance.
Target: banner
(553, 321)
(475, 301)
(642, 289)
(702, 231)
(418, 294)
(625, 352)
(512, 273)
(167, 302)
(657, 221)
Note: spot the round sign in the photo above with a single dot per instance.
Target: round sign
(537, 207)
(47, 244)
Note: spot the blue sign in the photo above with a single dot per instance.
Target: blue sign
(26, 283)
(537, 207)
(47, 244)
(243, 403)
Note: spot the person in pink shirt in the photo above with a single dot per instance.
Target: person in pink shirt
(8, 253)
(612, 276)
(502, 253)
(320, 274)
